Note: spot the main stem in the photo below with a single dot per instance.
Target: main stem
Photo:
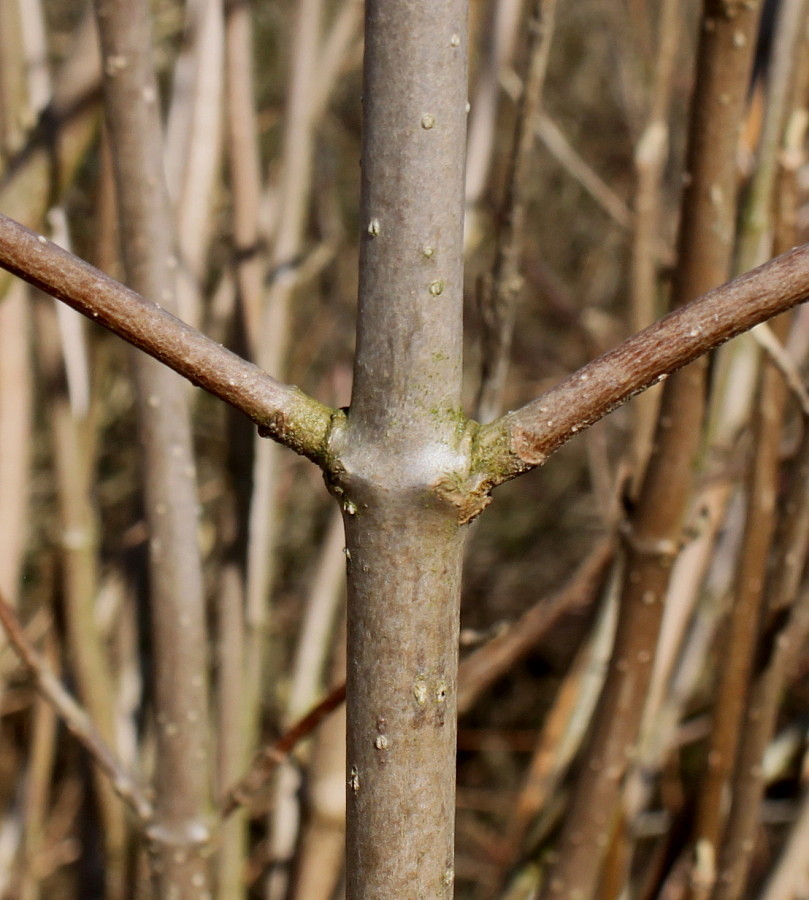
(400, 451)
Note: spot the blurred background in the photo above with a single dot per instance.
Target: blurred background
(262, 107)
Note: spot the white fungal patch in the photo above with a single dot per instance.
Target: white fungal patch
(374, 227)
(436, 288)
(427, 121)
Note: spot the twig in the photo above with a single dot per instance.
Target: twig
(483, 667)
(780, 358)
(75, 717)
(268, 759)
(504, 285)
(651, 154)
(524, 439)
(281, 411)
(554, 139)
(193, 147)
(655, 524)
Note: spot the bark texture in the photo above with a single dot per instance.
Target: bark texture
(402, 442)
(179, 837)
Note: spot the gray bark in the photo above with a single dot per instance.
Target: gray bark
(400, 446)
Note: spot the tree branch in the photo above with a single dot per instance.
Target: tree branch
(281, 411)
(524, 439)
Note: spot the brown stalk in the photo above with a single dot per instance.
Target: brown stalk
(783, 631)
(315, 643)
(15, 419)
(231, 731)
(742, 629)
(565, 726)
(62, 355)
(651, 153)
(180, 833)
(503, 286)
(485, 665)
(745, 615)
(500, 30)
(783, 618)
(265, 514)
(268, 759)
(322, 855)
(46, 164)
(524, 439)
(80, 724)
(74, 462)
(237, 719)
(38, 779)
(654, 527)
(273, 335)
(679, 663)
(193, 148)
(318, 639)
(244, 168)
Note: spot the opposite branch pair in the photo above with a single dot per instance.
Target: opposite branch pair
(513, 444)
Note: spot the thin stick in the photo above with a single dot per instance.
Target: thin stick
(554, 139)
(483, 667)
(503, 287)
(781, 359)
(524, 439)
(271, 757)
(75, 717)
(654, 526)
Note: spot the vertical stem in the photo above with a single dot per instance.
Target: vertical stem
(265, 512)
(15, 419)
(504, 285)
(243, 163)
(398, 453)
(653, 531)
(179, 835)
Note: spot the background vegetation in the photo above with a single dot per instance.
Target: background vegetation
(264, 198)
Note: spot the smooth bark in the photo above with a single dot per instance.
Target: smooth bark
(402, 441)
(179, 836)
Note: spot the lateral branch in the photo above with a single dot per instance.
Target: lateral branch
(513, 444)
(281, 411)
(525, 438)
